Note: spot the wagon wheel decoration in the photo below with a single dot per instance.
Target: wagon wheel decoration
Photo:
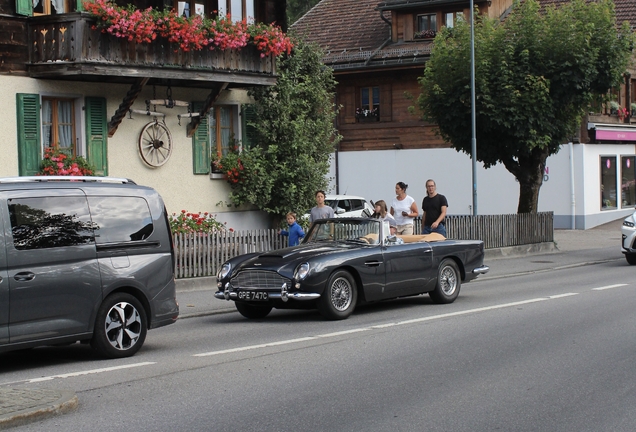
(155, 144)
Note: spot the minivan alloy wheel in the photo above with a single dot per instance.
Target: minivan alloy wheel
(123, 326)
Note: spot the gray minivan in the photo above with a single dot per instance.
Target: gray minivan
(85, 259)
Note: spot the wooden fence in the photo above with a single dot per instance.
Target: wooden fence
(200, 255)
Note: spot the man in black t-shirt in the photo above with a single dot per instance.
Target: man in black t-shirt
(434, 206)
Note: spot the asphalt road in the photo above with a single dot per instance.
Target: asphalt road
(548, 346)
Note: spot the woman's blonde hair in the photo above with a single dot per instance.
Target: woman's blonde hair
(383, 210)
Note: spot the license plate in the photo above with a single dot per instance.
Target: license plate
(253, 295)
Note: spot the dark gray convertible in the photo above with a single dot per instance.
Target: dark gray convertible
(343, 262)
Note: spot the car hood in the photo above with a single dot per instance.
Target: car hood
(285, 261)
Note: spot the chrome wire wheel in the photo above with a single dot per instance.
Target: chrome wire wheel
(341, 294)
(448, 280)
(123, 326)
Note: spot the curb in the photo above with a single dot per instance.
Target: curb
(521, 250)
(35, 405)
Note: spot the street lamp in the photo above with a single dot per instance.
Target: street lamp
(472, 105)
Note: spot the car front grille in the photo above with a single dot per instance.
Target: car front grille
(259, 279)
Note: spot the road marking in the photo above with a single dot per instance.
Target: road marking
(88, 372)
(563, 295)
(381, 326)
(608, 287)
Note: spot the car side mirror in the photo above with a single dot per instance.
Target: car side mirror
(340, 210)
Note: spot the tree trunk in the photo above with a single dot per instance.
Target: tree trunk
(530, 176)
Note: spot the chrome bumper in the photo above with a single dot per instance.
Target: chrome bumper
(229, 294)
(481, 270)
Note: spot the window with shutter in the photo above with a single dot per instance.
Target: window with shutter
(248, 132)
(29, 150)
(201, 144)
(97, 134)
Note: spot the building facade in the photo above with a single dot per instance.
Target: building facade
(377, 58)
(151, 112)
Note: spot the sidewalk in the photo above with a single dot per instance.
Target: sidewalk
(196, 298)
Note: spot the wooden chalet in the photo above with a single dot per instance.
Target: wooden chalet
(378, 49)
(88, 93)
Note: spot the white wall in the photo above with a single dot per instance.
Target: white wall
(373, 175)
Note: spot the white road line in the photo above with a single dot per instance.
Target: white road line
(563, 295)
(380, 326)
(608, 287)
(88, 372)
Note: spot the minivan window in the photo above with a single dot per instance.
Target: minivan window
(47, 222)
(120, 219)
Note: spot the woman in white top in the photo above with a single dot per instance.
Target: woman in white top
(403, 209)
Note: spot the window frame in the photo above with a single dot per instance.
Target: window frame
(47, 6)
(606, 175)
(55, 123)
(454, 14)
(372, 112)
(429, 15)
(215, 136)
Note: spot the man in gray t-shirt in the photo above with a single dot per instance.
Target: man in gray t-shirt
(321, 210)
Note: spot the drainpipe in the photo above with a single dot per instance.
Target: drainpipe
(573, 194)
(366, 63)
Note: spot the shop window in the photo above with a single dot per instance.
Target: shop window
(608, 183)
(628, 181)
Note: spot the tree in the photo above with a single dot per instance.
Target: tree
(536, 73)
(298, 8)
(293, 137)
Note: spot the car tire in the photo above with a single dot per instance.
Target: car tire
(120, 326)
(449, 282)
(251, 311)
(340, 296)
(631, 259)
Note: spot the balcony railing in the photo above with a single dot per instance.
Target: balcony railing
(67, 47)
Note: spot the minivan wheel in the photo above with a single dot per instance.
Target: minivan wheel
(120, 326)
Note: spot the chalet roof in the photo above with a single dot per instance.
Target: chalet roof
(412, 4)
(353, 35)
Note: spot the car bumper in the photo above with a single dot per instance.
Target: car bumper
(481, 270)
(228, 293)
(628, 235)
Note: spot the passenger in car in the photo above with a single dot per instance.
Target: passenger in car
(381, 211)
(393, 227)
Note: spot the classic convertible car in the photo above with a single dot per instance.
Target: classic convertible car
(346, 261)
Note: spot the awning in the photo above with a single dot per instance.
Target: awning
(613, 132)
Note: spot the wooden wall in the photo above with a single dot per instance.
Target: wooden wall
(14, 52)
(396, 129)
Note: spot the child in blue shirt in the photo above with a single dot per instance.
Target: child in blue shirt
(295, 232)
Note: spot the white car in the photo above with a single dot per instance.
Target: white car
(628, 246)
(348, 206)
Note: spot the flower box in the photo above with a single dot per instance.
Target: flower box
(218, 176)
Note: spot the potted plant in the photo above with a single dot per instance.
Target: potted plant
(613, 106)
(216, 172)
(425, 34)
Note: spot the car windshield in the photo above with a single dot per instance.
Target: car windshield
(363, 231)
(331, 203)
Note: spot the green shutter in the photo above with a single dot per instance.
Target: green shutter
(97, 134)
(24, 7)
(200, 144)
(248, 131)
(79, 6)
(29, 152)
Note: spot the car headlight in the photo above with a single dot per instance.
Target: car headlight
(301, 271)
(225, 270)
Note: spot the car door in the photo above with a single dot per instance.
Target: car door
(408, 268)
(54, 280)
(4, 288)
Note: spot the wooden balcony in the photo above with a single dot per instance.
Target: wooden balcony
(66, 47)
